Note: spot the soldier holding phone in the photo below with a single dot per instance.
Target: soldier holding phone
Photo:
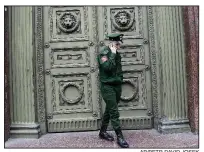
(111, 78)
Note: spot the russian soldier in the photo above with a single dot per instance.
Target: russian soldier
(111, 78)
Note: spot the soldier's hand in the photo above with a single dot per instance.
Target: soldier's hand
(113, 49)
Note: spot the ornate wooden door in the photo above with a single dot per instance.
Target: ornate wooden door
(136, 102)
(72, 38)
(72, 99)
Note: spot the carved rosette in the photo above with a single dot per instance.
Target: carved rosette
(68, 22)
(123, 20)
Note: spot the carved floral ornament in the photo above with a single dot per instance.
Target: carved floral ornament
(68, 22)
(123, 20)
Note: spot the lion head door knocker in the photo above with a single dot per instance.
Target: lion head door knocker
(123, 20)
(68, 22)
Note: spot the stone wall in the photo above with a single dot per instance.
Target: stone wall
(191, 24)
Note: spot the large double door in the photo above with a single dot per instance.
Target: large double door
(72, 38)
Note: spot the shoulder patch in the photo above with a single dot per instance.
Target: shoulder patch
(104, 59)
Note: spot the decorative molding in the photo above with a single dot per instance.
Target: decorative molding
(130, 55)
(153, 62)
(51, 20)
(69, 56)
(173, 126)
(53, 95)
(123, 20)
(135, 122)
(71, 111)
(136, 89)
(68, 22)
(87, 107)
(95, 24)
(143, 89)
(89, 90)
(105, 24)
(94, 69)
(86, 30)
(73, 30)
(25, 131)
(131, 30)
(40, 91)
(72, 125)
(140, 17)
(137, 79)
(73, 84)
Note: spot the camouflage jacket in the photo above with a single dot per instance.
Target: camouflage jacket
(110, 68)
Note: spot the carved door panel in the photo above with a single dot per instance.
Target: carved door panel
(136, 104)
(72, 97)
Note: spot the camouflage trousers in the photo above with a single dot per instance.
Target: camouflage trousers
(111, 95)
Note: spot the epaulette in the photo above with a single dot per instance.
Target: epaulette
(104, 50)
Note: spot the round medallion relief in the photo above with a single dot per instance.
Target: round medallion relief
(130, 91)
(68, 22)
(71, 93)
(123, 21)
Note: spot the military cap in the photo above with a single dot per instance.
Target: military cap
(115, 37)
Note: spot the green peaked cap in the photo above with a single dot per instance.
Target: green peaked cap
(115, 37)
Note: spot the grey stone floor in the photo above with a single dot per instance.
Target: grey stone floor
(135, 138)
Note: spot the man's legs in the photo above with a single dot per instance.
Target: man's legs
(120, 139)
(105, 121)
(106, 117)
(111, 96)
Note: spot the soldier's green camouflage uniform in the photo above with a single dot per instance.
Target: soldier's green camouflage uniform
(111, 78)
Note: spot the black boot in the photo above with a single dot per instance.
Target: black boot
(104, 135)
(120, 139)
